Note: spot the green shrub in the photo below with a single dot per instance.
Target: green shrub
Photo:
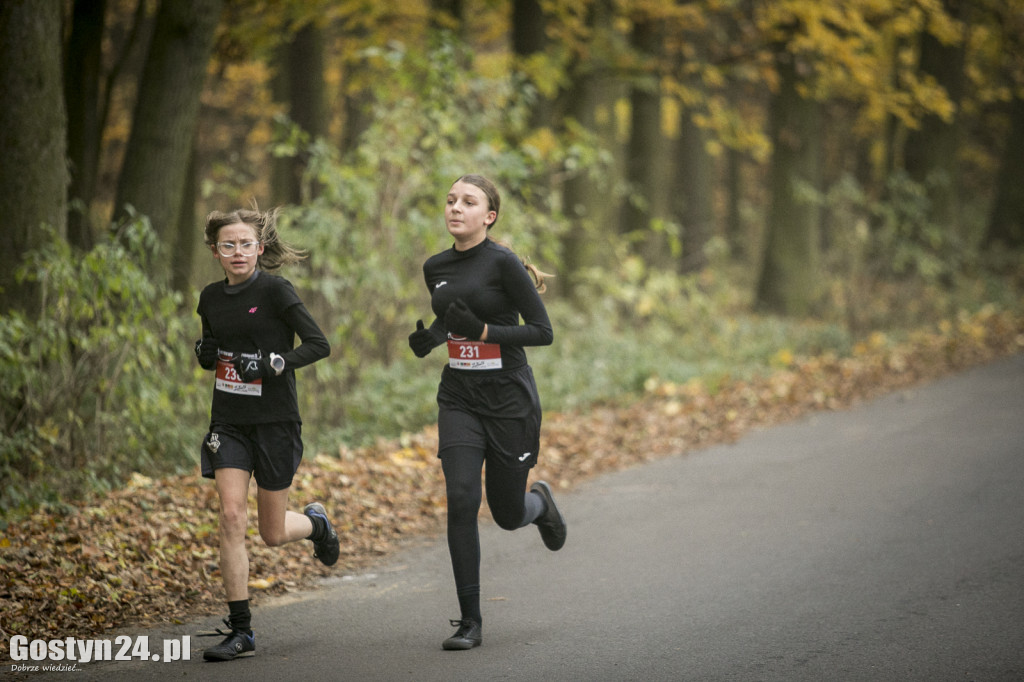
(96, 383)
(888, 261)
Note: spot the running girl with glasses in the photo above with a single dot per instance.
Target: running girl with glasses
(250, 320)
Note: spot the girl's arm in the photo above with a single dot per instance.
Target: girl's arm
(536, 328)
(313, 346)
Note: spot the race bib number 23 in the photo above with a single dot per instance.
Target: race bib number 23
(228, 379)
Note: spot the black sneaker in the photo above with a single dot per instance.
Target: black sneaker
(326, 550)
(469, 635)
(236, 644)
(551, 524)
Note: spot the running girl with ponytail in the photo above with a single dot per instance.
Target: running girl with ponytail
(250, 320)
(488, 407)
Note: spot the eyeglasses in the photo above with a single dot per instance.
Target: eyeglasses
(244, 249)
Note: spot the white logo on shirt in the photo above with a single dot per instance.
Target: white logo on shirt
(525, 455)
(439, 285)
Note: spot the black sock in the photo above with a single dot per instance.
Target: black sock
(319, 528)
(239, 615)
(469, 604)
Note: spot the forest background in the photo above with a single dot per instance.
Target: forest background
(721, 187)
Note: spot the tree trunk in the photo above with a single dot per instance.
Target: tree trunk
(930, 155)
(300, 83)
(156, 160)
(645, 157)
(788, 282)
(306, 94)
(357, 101)
(1006, 223)
(82, 76)
(285, 186)
(188, 234)
(529, 38)
(735, 234)
(580, 196)
(33, 167)
(693, 192)
(590, 208)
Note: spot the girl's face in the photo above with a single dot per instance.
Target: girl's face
(467, 215)
(237, 249)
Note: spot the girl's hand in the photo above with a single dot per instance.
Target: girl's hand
(251, 369)
(459, 319)
(206, 352)
(422, 341)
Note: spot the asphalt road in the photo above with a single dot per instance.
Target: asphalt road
(885, 542)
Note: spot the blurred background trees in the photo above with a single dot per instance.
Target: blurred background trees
(677, 163)
(682, 112)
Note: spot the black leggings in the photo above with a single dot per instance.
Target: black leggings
(511, 506)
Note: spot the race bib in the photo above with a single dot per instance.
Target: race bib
(228, 379)
(466, 354)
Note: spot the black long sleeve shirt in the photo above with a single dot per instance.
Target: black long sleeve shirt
(497, 287)
(263, 314)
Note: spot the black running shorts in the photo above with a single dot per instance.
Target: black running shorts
(271, 452)
(496, 412)
(509, 443)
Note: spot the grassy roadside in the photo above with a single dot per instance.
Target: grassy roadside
(147, 554)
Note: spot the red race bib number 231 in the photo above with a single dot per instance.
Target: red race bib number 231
(465, 354)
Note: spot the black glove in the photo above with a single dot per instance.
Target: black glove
(206, 352)
(251, 369)
(460, 320)
(422, 340)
